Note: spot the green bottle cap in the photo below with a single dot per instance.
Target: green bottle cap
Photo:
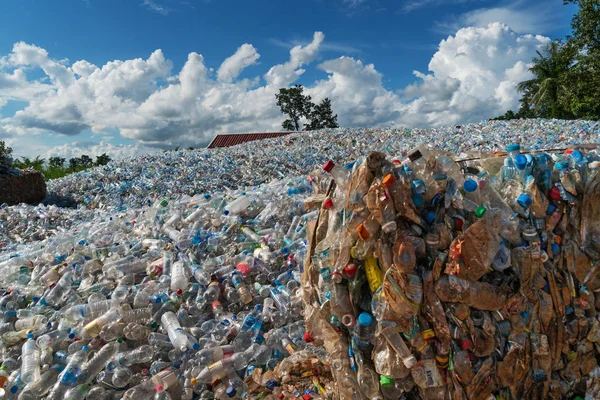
(119, 340)
(480, 211)
(384, 381)
(164, 203)
(153, 324)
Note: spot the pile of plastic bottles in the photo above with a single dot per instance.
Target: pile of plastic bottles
(182, 274)
(181, 300)
(140, 181)
(445, 280)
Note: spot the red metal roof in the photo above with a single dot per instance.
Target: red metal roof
(232, 139)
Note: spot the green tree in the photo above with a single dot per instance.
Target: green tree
(86, 161)
(5, 151)
(322, 116)
(38, 163)
(102, 159)
(583, 80)
(56, 163)
(586, 25)
(547, 91)
(295, 104)
(74, 164)
(22, 163)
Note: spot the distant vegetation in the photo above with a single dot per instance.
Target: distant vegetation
(566, 82)
(296, 105)
(54, 167)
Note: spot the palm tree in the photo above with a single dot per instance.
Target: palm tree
(547, 92)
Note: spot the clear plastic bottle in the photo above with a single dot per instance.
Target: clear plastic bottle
(133, 331)
(94, 327)
(222, 368)
(171, 325)
(364, 330)
(244, 292)
(339, 174)
(69, 376)
(121, 377)
(78, 392)
(394, 339)
(179, 278)
(30, 360)
(51, 338)
(41, 386)
(93, 367)
(140, 355)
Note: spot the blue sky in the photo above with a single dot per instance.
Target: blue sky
(396, 37)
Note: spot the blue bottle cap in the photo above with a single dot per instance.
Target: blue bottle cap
(569, 310)
(520, 161)
(30, 336)
(365, 319)
(470, 185)
(555, 249)
(417, 200)
(417, 183)
(551, 208)
(513, 147)
(196, 347)
(524, 200)
(230, 392)
(84, 348)
(430, 217)
(577, 156)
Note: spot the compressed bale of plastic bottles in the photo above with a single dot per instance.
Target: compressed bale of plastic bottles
(486, 307)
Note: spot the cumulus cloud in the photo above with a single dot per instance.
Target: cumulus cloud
(475, 73)
(231, 68)
(472, 76)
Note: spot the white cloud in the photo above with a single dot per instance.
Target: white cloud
(156, 7)
(231, 68)
(472, 76)
(483, 66)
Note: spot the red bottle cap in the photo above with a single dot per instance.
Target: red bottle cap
(459, 223)
(328, 203)
(350, 269)
(308, 337)
(243, 268)
(467, 344)
(555, 193)
(179, 291)
(328, 166)
(306, 397)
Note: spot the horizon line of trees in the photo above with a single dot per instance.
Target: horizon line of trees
(53, 167)
(566, 82)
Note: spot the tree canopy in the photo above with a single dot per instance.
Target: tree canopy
(298, 106)
(566, 74)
